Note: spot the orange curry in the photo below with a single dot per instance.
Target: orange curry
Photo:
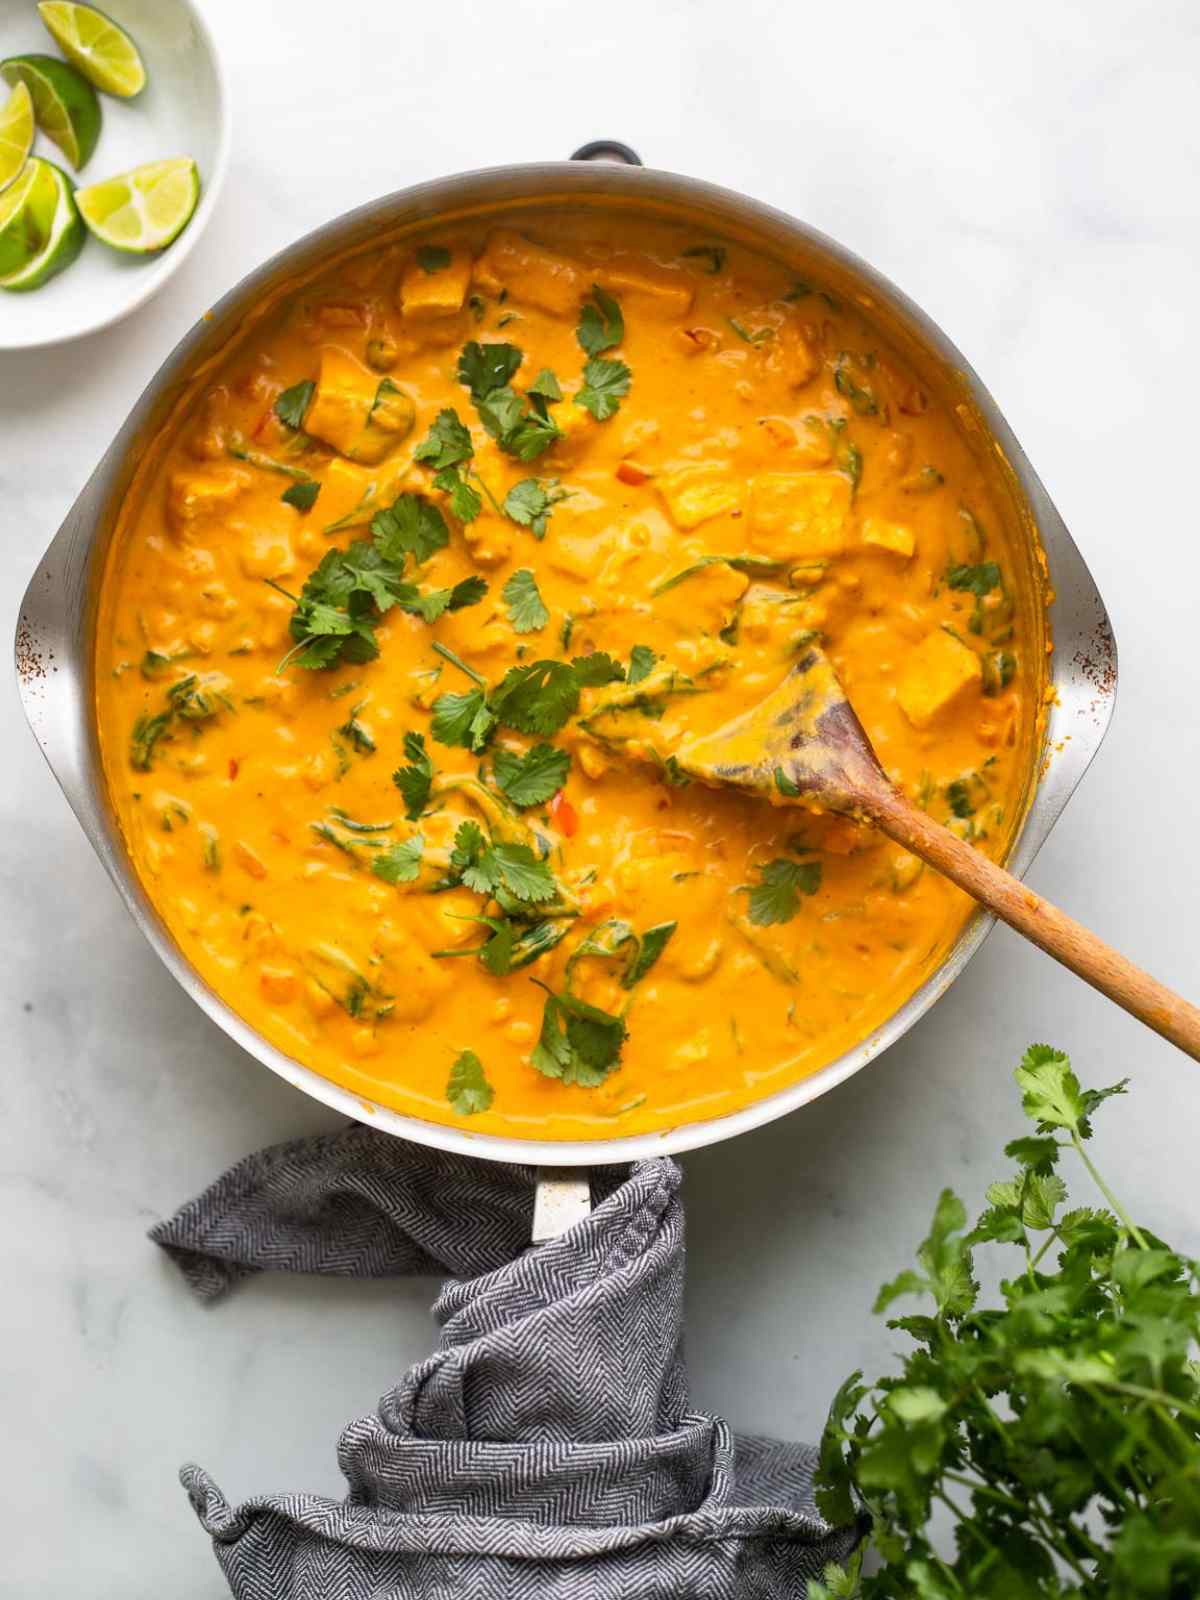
(408, 611)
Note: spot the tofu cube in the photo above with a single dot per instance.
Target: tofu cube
(897, 537)
(364, 417)
(344, 490)
(194, 496)
(658, 290)
(531, 274)
(939, 672)
(799, 515)
(697, 494)
(427, 294)
(704, 602)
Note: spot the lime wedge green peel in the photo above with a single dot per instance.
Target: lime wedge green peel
(59, 232)
(16, 135)
(102, 51)
(143, 210)
(20, 239)
(64, 103)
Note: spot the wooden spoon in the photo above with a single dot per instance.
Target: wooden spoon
(803, 743)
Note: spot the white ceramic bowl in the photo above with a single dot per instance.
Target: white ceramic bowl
(182, 111)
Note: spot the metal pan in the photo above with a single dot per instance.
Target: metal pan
(54, 643)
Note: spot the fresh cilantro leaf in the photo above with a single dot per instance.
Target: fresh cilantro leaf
(291, 405)
(579, 1043)
(411, 525)
(979, 580)
(468, 1090)
(400, 863)
(605, 385)
(641, 663)
(601, 325)
(777, 897)
(713, 254)
(488, 867)
(501, 412)
(463, 719)
(530, 501)
(335, 614)
(484, 368)
(433, 603)
(301, 495)
(415, 780)
(546, 386)
(526, 609)
(653, 943)
(529, 437)
(432, 258)
(531, 779)
(595, 670)
(447, 443)
(465, 502)
(537, 698)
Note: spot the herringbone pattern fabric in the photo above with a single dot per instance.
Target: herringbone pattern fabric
(548, 1449)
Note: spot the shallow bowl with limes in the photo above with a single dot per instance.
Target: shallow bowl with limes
(183, 110)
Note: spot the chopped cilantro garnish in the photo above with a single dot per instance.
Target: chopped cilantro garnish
(979, 581)
(491, 866)
(605, 385)
(468, 1090)
(483, 368)
(411, 525)
(530, 501)
(713, 254)
(546, 386)
(531, 779)
(641, 663)
(526, 609)
(860, 395)
(400, 863)
(301, 495)
(751, 336)
(359, 736)
(777, 897)
(579, 1043)
(601, 325)
(291, 405)
(447, 443)
(432, 258)
(415, 779)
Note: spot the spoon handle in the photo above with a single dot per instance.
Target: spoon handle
(1036, 919)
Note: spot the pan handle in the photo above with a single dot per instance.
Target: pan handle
(562, 1198)
(608, 150)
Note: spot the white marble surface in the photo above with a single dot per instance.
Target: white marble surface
(1027, 172)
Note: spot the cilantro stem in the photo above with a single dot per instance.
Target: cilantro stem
(1131, 1227)
(445, 651)
(491, 498)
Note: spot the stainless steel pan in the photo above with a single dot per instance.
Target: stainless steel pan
(55, 630)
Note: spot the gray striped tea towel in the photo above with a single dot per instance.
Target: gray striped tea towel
(549, 1448)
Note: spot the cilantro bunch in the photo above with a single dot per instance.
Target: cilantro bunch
(1060, 1427)
(536, 698)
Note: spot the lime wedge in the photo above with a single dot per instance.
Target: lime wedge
(19, 236)
(102, 51)
(64, 103)
(60, 234)
(143, 210)
(16, 134)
